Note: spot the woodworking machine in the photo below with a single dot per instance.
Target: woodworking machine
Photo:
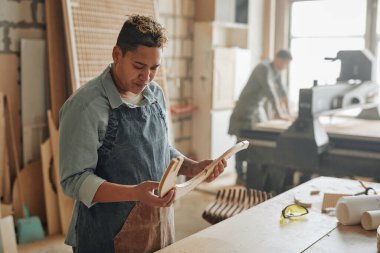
(308, 145)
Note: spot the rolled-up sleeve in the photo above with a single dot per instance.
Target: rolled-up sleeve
(78, 156)
(174, 152)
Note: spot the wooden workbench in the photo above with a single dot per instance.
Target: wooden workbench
(259, 230)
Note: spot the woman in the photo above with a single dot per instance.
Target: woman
(114, 149)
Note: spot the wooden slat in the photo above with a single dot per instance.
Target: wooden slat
(31, 182)
(2, 145)
(10, 88)
(57, 62)
(65, 203)
(51, 198)
(5, 177)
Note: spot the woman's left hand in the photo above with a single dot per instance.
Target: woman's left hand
(200, 166)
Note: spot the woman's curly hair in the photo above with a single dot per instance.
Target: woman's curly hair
(141, 30)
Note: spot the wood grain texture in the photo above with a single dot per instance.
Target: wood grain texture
(259, 228)
(3, 166)
(10, 88)
(31, 182)
(51, 198)
(57, 62)
(65, 203)
(168, 180)
(232, 201)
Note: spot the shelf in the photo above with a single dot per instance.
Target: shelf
(182, 109)
(230, 25)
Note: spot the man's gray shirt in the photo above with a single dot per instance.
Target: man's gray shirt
(263, 86)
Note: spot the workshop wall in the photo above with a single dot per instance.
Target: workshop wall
(20, 19)
(26, 19)
(178, 18)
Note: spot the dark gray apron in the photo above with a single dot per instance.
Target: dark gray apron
(135, 149)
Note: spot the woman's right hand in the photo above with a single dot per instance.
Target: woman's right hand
(145, 194)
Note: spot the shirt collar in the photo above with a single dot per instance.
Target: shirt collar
(113, 94)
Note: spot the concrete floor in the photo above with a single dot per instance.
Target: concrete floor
(188, 217)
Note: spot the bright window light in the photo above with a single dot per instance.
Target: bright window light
(320, 29)
(329, 18)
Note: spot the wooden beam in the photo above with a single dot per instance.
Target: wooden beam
(268, 29)
(57, 61)
(51, 198)
(204, 10)
(31, 181)
(65, 203)
(10, 88)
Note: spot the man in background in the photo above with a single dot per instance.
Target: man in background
(263, 98)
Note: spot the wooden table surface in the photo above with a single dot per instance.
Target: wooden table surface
(259, 230)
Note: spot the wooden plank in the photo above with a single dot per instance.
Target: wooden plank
(10, 88)
(70, 48)
(204, 10)
(5, 210)
(65, 203)
(57, 62)
(5, 178)
(2, 144)
(31, 181)
(33, 97)
(51, 198)
(168, 181)
(259, 228)
(347, 239)
(6, 181)
(202, 89)
(268, 29)
(7, 235)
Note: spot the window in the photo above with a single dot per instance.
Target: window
(319, 29)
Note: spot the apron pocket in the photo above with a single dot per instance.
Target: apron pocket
(146, 229)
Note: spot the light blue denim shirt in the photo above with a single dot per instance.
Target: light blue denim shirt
(83, 124)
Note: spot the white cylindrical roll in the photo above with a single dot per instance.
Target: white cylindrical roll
(371, 220)
(378, 239)
(350, 209)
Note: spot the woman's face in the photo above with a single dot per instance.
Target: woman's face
(136, 69)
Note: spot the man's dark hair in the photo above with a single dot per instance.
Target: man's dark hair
(141, 30)
(284, 54)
